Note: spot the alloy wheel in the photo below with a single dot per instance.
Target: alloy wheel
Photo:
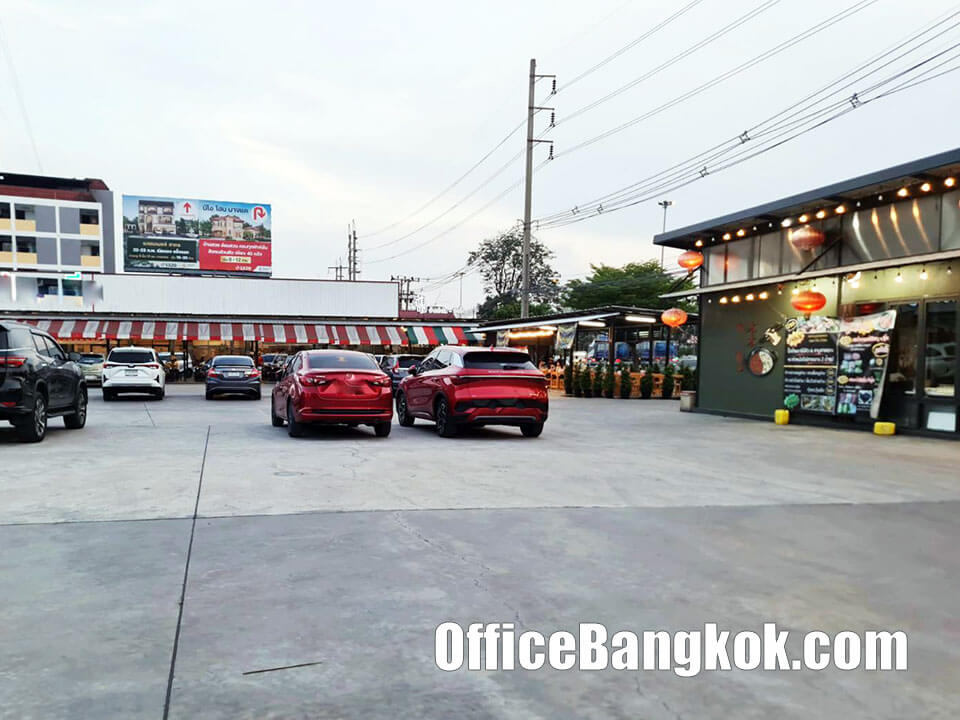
(40, 416)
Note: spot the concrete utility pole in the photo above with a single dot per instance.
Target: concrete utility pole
(664, 204)
(528, 188)
(338, 268)
(406, 296)
(353, 268)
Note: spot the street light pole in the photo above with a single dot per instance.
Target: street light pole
(664, 204)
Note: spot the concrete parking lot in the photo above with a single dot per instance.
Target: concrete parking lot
(341, 552)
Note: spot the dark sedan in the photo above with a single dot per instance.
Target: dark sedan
(233, 374)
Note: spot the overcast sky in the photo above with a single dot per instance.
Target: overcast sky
(339, 111)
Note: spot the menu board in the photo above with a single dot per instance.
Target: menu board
(863, 351)
(810, 364)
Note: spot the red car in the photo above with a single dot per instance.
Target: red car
(332, 387)
(457, 386)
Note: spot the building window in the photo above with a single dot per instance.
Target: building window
(903, 356)
(89, 217)
(716, 261)
(6, 244)
(72, 288)
(26, 245)
(941, 353)
(950, 228)
(739, 260)
(24, 212)
(4, 211)
(768, 254)
(47, 287)
(911, 227)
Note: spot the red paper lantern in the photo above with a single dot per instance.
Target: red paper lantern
(807, 238)
(809, 301)
(690, 260)
(674, 317)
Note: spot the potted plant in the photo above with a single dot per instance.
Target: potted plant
(625, 382)
(568, 379)
(586, 382)
(609, 382)
(598, 381)
(688, 395)
(646, 384)
(668, 383)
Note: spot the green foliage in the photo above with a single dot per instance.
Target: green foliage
(625, 380)
(586, 382)
(655, 369)
(635, 284)
(568, 379)
(668, 382)
(577, 386)
(609, 382)
(689, 378)
(598, 381)
(500, 260)
(646, 385)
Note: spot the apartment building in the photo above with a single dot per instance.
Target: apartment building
(53, 231)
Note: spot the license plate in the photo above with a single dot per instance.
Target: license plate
(131, 372)
(234, 375)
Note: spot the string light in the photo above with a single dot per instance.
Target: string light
(899, 277)
(923, 273)
(903, 192)
(821, 214)
(735, 299)
(749, 297)
(741, 232)
(786, 222)
(726, 236)
(841, 209)
(723, 300)
(803, 218)
(950, 182)
(925, 187)
(764, 295)
(796, 291)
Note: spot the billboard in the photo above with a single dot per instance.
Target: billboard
(185, 235)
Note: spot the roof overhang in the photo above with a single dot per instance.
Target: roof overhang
(768, 216)
(542, 322)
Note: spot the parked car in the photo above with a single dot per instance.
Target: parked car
(398, 366)
(233, 374)
(271, 365)
(38, 380)
(457, 386)
(332, 386)
(92, 366)
(133, 370)
(176, 365)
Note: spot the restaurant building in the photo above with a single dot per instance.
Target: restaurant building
(839, 304)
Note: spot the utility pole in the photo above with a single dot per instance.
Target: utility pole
(339, 268)
(406, 295)
(664, 204)
(353, 268)
(528, 186)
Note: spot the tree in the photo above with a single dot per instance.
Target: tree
(500, 260)
(634, 284)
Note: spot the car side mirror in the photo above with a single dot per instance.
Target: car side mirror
(415, 370)
(74, 356)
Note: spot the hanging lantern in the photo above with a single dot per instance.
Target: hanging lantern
(807, 238)
(808, 301)
(674, 317)
(690, 260)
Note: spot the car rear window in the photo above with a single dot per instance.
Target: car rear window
(236, 360)
(340, 361)
(90, 359)
(268, 357)
(128, 357)
(407, 361)
(497, 360)
(13, 338)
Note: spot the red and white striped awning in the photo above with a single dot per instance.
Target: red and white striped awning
(79, 329)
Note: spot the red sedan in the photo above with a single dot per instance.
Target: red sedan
(457, 386)
(332, 387)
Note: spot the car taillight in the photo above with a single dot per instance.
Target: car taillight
(253, 373)
(155, 366)
(110, 365)
(212, 373)
(11, 360)
(314, 380)
(380, 381)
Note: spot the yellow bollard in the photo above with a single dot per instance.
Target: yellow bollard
(781, 417)
(884, 428)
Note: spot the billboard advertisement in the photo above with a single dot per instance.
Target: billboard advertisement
(186, 235)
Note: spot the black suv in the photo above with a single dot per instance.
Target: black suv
(38, 380)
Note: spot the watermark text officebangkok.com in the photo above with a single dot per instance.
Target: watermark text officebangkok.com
(501, 646)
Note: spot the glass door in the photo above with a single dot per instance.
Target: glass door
(940, 330)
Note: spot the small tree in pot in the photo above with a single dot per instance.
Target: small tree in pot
(646, 384)
(568, 379)
(586, 382)
(625, 382)
(598, 381)
(609, 382)
(667, 387)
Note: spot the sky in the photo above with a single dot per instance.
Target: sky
(340, 112)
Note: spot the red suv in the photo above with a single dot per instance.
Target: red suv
(332, 387)
(456, 386)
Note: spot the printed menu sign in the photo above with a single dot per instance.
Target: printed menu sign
(863, 350)
(810, 364)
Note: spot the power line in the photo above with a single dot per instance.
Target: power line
(702, 160)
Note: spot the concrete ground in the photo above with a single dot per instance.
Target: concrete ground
(345, 551)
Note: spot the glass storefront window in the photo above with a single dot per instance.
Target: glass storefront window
(941, 349)
(911, 227)
(716, 259)
(768, 254)
(902, 373)
(950, 229)
(739, 257)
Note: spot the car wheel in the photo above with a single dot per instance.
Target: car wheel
(107, 396)
(294, 428)
(445, 425)
(531, 429)
(33, 428)
(382, 429)
(403, 413)
(258, 395)
(275, 419)
(208, 395)
(78, 418)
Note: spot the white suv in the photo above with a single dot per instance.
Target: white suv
(132, 370)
